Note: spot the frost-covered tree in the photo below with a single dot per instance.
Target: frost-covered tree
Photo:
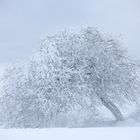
(71, 75)
(94, 67)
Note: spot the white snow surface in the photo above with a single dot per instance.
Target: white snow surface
(112, 133)
(122, 131)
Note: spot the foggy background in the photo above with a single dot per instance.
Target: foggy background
(24, 23)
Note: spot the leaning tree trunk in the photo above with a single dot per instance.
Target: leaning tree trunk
(112, 108)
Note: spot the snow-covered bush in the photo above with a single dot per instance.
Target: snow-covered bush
(69, 77)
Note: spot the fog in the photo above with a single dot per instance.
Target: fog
(24, 23)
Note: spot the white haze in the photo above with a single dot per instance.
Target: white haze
(24, 23)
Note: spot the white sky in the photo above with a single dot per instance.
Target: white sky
(24, 23)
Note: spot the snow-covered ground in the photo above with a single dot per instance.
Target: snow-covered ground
(126, 130)
(111, 133)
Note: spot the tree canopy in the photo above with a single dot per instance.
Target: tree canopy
(71, 75)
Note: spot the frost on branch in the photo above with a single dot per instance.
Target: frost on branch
(67, 80)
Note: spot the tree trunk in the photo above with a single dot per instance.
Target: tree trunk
(113, 108)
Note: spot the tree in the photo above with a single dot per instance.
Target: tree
(95, 64)
(72, 73)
